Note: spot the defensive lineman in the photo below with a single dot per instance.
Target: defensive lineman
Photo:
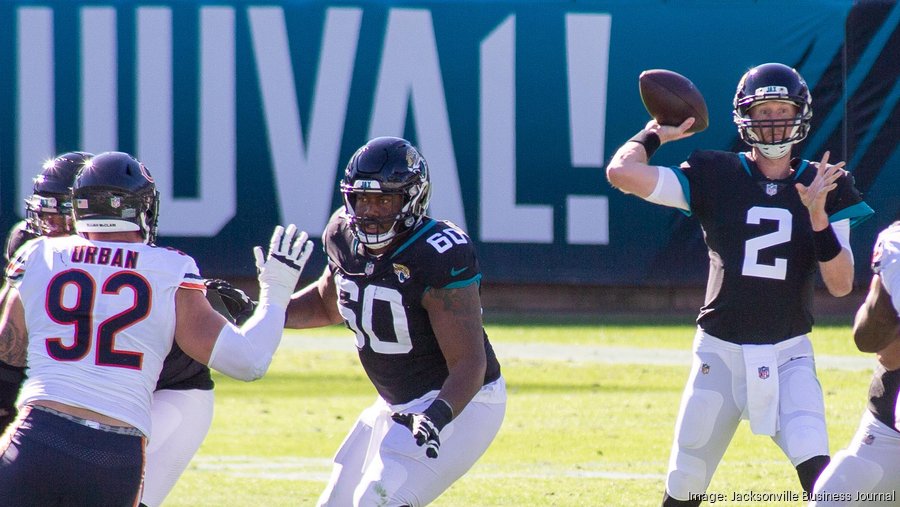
(182, 407)
(867, 472)
(94, 316)
(48, 212)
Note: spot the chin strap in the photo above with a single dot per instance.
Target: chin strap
(774, 151)
(371, 240)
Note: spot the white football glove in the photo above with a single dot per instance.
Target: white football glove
(280, 270)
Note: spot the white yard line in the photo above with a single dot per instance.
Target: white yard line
(319, 469)
(581, 353)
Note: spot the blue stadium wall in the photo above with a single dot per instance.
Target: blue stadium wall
(246, 113)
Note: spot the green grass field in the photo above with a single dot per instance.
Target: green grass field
(592, 406)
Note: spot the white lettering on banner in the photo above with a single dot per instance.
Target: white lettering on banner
(306, 163)
(35, 136)
(410, 70)
(217, 202)
(305, 172)
(587, 59)
(587, 63)
(99, 84)
(502, 220)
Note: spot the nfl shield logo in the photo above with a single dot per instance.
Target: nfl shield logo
(771, 189)
(763, 372)
(370, 268)
(115, 201)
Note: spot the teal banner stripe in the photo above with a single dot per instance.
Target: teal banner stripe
(855, 78)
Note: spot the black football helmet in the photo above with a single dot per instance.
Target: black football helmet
(116, 193)
(48, 212)
(778, 82)
(386, 165)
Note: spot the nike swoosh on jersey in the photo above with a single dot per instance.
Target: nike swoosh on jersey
(454, 271)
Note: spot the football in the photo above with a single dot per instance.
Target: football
(671, 98)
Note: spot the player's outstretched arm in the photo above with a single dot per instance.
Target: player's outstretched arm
(455, 316)
(245, 353)
(629, 170)
(315, 305)
(197, 324)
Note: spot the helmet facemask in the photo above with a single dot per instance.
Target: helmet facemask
(49, 215)
(773, 137)
(387, 227)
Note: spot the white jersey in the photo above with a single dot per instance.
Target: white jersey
(101, 320)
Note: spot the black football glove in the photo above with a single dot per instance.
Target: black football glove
(11, 378)
(426, 427)
(239, 305)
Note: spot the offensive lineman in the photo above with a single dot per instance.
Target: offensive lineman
(769, 222)
(866, 473)
(94, 316)
(408, 286)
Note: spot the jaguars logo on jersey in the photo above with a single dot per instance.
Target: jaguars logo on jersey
(402, 272)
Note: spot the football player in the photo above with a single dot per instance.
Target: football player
(770, 222)
(48, 212)
(182, 406)
(94, 315)
(866, 472)
(408, 286)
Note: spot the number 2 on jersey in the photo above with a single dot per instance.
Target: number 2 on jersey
(80, 316)
(752, 267)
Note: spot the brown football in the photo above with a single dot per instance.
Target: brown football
(671, 98)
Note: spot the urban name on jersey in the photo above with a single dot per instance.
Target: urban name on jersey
(119, 257)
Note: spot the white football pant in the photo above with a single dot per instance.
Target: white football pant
(867, 472)
(715, 401)
(180, 421)
(380, 464)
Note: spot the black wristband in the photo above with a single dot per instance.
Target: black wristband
(649, 139)
(11, 374)
(826, 244)
(440, 413)
(11, 378)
